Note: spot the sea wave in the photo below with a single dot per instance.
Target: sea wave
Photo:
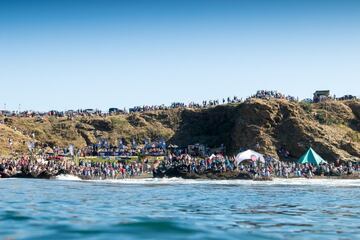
(67, 177)
(278, 209)
(180, 181)
(276, 181)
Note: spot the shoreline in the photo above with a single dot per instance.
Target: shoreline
(211, 179)
(148, 177)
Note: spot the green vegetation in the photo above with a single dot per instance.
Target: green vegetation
(324, 117)
(307, 107)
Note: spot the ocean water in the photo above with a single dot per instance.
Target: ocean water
(68, 208)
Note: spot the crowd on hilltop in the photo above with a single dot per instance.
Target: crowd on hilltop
(261, 94)
(346, 97)
(264, 94)
(193, 105)
(53, 113)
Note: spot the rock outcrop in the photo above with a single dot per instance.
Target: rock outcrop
(331, 128)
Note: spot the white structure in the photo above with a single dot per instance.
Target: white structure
(249, 155)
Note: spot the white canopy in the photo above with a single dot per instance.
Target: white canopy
(217, 156)
(249, 155)
(212, 156)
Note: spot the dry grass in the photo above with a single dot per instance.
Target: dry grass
(271, 123)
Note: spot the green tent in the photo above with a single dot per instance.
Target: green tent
(311, 157)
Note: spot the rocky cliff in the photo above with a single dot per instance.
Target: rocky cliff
(331, 128)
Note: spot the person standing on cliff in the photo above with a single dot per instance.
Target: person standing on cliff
(10, 143)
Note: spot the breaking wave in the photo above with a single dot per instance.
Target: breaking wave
(68, 177)
(180, 181)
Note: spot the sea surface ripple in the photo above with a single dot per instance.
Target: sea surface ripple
(68, 208)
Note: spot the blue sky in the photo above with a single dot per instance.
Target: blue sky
(100, 54)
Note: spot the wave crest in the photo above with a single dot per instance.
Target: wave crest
(180, 181)
(67, 177)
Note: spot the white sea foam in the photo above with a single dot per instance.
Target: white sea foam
(180, 181)
(276, 181)
(68, 177)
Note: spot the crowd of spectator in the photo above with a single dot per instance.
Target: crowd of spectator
(204, 104)
(269, 168)
(286, 169)
(264, 94)
(261, 94)
(105, 149)
(117, 169)
(24, 166)
(112, 170)
(346, 97)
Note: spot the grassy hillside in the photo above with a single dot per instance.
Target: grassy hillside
(331, 128)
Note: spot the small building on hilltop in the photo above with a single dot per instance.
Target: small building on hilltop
(321, 95)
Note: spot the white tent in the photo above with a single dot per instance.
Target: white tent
(217, 156)
(212, 156)
(249, 155)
